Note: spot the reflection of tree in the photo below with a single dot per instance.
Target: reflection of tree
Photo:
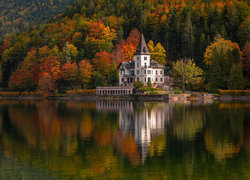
(74, 140)
(224, 130)
(158, 145)
(187, 122)
(52, 133)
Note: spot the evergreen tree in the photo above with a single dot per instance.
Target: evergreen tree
(112, 76)
(216, 77)
(236, 79)
(149, 84)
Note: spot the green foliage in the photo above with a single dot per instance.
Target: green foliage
(183, 29)
(187, 72)
(138, 85)
(16, 16)
(219, 57)
(158, 53)
(149, 84)
(236, 79)
(113, 76)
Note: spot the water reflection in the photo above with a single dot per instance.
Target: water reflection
(116, 139)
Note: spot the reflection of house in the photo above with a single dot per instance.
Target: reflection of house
(145, 123)
(144, 120)
(114, 106)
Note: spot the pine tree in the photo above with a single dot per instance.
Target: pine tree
(149, 84)
(236, 79)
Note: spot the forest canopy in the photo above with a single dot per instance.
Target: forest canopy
(104, 33)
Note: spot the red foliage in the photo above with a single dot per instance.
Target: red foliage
(46, 84)
(102, 62)
(26, 74)
(126, 49)
(68, 71)
(51, 66)
(134, 37)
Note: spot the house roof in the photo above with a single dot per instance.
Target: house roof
(128, 65)
(142, 48)
(154, 64)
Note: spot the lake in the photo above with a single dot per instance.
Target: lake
(124, 140)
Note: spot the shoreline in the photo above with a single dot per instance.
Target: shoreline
(160, 98)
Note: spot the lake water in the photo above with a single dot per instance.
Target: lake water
(124, 140)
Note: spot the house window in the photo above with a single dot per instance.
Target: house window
(145, 80)
(137, 64)
(161, 79)
(149, 71)
(156, 72)
(122, 79)
(145, 65)
(138, 72)
(132, 73)
(137, 79)
(137, 58)
(145, 58)
(145, 72)
(156, 78)
(161, 72)
(121, 72)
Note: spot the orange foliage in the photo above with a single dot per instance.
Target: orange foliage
(101, 62)
(51, 66)
(46, 84)
(85, 71)
(234, 92)
(95, 30)
(102, 135)
(126, 49)
(127, 146)
(69, 71)
(25, 75)
(81, 92)
(86, 127)
(134, 37)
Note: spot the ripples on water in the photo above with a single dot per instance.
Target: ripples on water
(121, 140)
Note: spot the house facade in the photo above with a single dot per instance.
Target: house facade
(141, 68)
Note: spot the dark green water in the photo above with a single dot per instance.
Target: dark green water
(124, 140)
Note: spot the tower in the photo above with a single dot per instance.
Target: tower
(142, 60)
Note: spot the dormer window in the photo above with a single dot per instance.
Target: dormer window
(145, 58)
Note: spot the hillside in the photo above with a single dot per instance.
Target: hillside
(99, 34)
(16, 16)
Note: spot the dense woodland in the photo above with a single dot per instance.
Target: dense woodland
(84, 45)
(18, 15)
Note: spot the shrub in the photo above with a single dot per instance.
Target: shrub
(9, 94)
(81, 92)
(234, 92)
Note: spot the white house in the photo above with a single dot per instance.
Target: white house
(141, 68)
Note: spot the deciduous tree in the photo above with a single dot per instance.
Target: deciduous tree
(85, 72)
(158, 53)
(188, 72)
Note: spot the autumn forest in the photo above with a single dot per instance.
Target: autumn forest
(81, 48)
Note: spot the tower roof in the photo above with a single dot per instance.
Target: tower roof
(142, 48)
